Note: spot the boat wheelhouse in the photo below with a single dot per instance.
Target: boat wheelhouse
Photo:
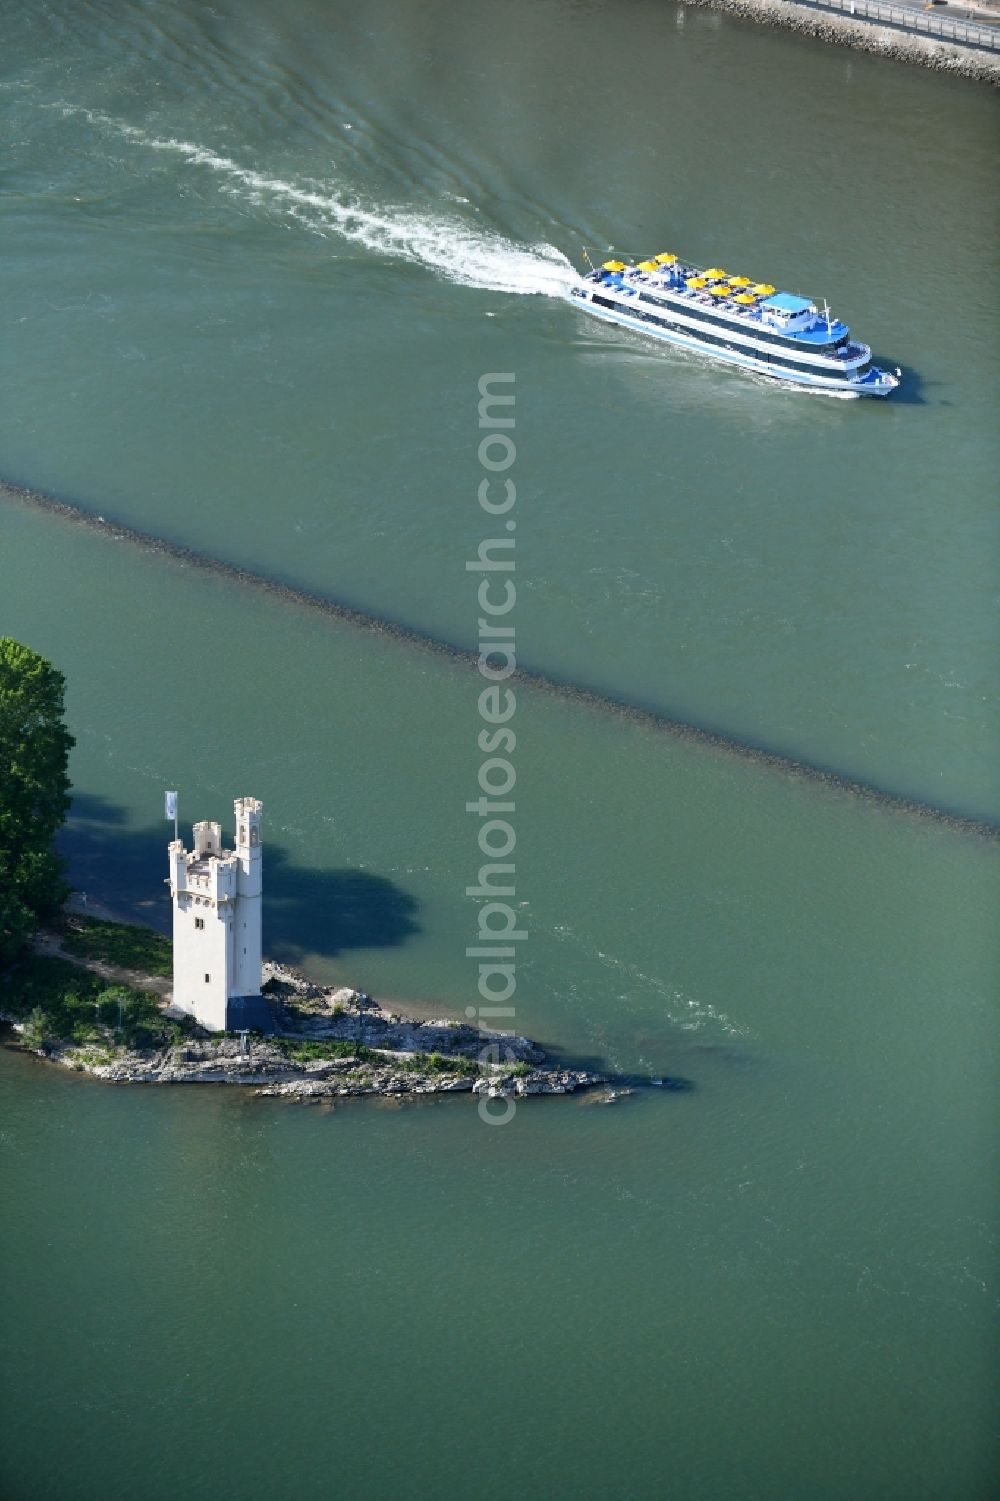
(735, 319)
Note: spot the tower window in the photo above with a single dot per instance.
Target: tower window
(208, 980)
(199, 922)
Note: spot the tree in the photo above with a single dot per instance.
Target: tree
(34, 792)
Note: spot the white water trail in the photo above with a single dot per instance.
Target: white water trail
(460, 252)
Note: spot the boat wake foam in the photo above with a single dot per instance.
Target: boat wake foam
(459, 251)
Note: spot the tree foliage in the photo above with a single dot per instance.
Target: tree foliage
(34, 792)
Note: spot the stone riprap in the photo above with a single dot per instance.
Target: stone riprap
(396, 1055)
(310, 1012)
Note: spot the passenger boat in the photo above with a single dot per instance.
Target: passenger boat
(735, 319)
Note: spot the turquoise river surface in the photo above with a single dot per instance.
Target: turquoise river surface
(256, 257)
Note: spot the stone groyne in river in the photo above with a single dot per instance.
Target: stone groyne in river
(709, 737)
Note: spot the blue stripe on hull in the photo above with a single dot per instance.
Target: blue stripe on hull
(641, 326)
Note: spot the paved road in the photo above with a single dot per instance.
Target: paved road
(986, 18)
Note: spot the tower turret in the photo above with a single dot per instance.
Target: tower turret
(249, 864)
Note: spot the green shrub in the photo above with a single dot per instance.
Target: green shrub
(36, 1029)
(71, 1004)
(101, 1056)
(437, 1063)
(37, 980)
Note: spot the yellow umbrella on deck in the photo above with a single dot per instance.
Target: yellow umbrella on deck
(666, 259)
(739, 281)
(747, 298)
(696, 283)
(648, 266)
(714, 273)
(613, 266)
(763, 289)
(718, 292)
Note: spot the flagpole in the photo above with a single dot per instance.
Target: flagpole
(170, 810)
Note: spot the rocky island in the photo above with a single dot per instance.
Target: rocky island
(341, 1042)
(120, 1001)
(76, 1003)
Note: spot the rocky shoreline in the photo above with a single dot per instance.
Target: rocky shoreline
(866, 36)
(331, 1043)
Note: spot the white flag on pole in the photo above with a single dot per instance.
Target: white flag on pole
(170, 805)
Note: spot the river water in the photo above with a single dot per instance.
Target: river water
(256, 261)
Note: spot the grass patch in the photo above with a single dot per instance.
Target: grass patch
(122, 944)
(306, 1051)
(435, 1063)
(60, 1002)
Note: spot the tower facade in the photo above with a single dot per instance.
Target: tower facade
(216, 898)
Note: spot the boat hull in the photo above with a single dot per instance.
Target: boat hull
(876, 382)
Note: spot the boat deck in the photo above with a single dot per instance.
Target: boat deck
(816, 334)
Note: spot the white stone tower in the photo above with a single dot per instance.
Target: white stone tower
(216, 896)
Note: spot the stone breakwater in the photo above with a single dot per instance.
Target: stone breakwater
(602, 702)
(866, 36)
(332, 1043)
